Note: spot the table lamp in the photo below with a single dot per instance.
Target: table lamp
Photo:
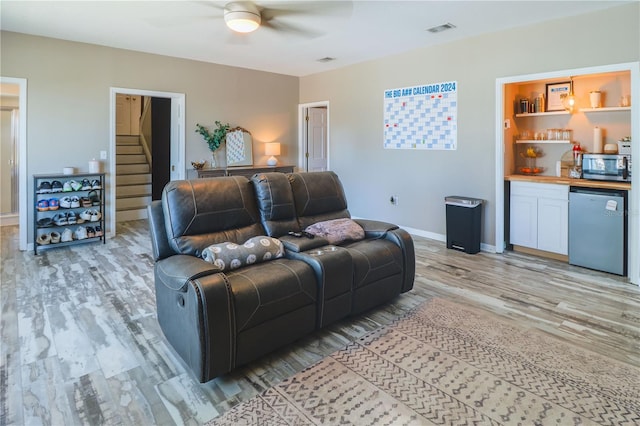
(272, 149)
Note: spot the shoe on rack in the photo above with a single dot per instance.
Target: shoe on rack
(45, 222)
(85, 201)
(86, 215)
(81, 233)
(44, 188)
(67, 235)
(75, 202)
(95, 200)
(95, 184)
(91, 232)
(72, 218)
(76, 186)
(43, 205)
(54, 204)
(60, 219)
(98, 231)
(43, 239)
(86, 185)
(95, 215)
(56, 186)
(65, 202)
(55, 237)
(67, 187)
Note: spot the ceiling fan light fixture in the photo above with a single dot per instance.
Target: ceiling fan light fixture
(242, 21)
(242, 16)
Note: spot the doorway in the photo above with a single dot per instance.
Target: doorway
(313, 136)
(172, 135)
(18, 88)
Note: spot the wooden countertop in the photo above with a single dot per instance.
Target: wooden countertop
(571, 182)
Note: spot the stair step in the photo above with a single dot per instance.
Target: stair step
(132, 203)
(133, 214)
(127, 140)
(129, 169)
(128, 149)
(137, 179)
(130, 159)
(132, 190)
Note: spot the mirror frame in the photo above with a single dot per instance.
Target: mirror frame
(248, 148)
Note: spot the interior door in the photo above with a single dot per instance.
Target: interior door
(317, 158)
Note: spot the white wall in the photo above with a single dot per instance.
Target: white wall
(68, 98)
(421, 179)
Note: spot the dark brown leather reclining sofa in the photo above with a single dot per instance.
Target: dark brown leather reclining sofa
(218, 319)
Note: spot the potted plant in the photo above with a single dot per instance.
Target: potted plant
(213, 139)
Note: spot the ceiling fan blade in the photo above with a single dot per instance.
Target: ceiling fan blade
(291, 29)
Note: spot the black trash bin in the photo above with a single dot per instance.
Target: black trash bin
(464, 223)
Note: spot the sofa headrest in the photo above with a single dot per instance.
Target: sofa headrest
(202, 212)
(319, 195)
(275, 203)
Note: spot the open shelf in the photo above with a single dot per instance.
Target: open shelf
(605, 109)
(543, 141)
(541, 114)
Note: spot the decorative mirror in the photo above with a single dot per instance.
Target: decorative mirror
(239, 147)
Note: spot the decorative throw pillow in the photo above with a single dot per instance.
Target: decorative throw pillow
(337, 231)
(228, 256)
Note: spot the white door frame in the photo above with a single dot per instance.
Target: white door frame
(177, 139)
(302, 133)
(23, 210)
(633, 231)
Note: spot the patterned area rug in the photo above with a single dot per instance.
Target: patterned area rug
(447, 364)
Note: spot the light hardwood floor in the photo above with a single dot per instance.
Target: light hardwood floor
(81, 344)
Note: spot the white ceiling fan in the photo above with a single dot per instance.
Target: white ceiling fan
(248, 16)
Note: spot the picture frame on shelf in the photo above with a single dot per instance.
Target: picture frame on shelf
(556, 92)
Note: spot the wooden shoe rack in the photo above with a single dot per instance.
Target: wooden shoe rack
(40, 215)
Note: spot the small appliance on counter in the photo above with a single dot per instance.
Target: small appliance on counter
(613, 167)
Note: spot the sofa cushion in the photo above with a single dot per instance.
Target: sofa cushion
(336, 231)
(318, 196)
(228, 255)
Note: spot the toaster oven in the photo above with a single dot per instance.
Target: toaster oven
(615, 167)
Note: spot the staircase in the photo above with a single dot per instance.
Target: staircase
(133, 179)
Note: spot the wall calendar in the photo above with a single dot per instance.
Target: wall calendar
(421, 117)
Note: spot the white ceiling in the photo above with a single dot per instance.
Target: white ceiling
(290, 43)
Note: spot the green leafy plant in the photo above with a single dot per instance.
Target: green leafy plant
(214, 139)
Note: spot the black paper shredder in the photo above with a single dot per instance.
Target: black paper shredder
(464, 223)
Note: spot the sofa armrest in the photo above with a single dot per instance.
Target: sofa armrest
(159, 240)
(176, 271)
(196, 314)
(403, 240)
(375, 228)
(301, 244)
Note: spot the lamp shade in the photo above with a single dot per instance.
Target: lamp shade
(272, 149)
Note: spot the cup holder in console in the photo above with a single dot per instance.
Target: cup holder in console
(331, 248)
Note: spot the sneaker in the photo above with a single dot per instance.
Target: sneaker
(44, 188)
(43, 239)
(86, 185)
(81, 233)
(56, 186)
(45, 222)
(91, 232)
(67, 187)
(67, 235)
(95, 184)
(53, 204)
(75, 202)
(65, 202)
(98, 231)
(85, 201)
(71, 218)
(76, 186)
(86, 215)
(95, 200)
(95, 215)
(60, 219)
(55, 237)
(43, 205)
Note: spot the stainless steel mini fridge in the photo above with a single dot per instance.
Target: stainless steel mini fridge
(598, 229)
